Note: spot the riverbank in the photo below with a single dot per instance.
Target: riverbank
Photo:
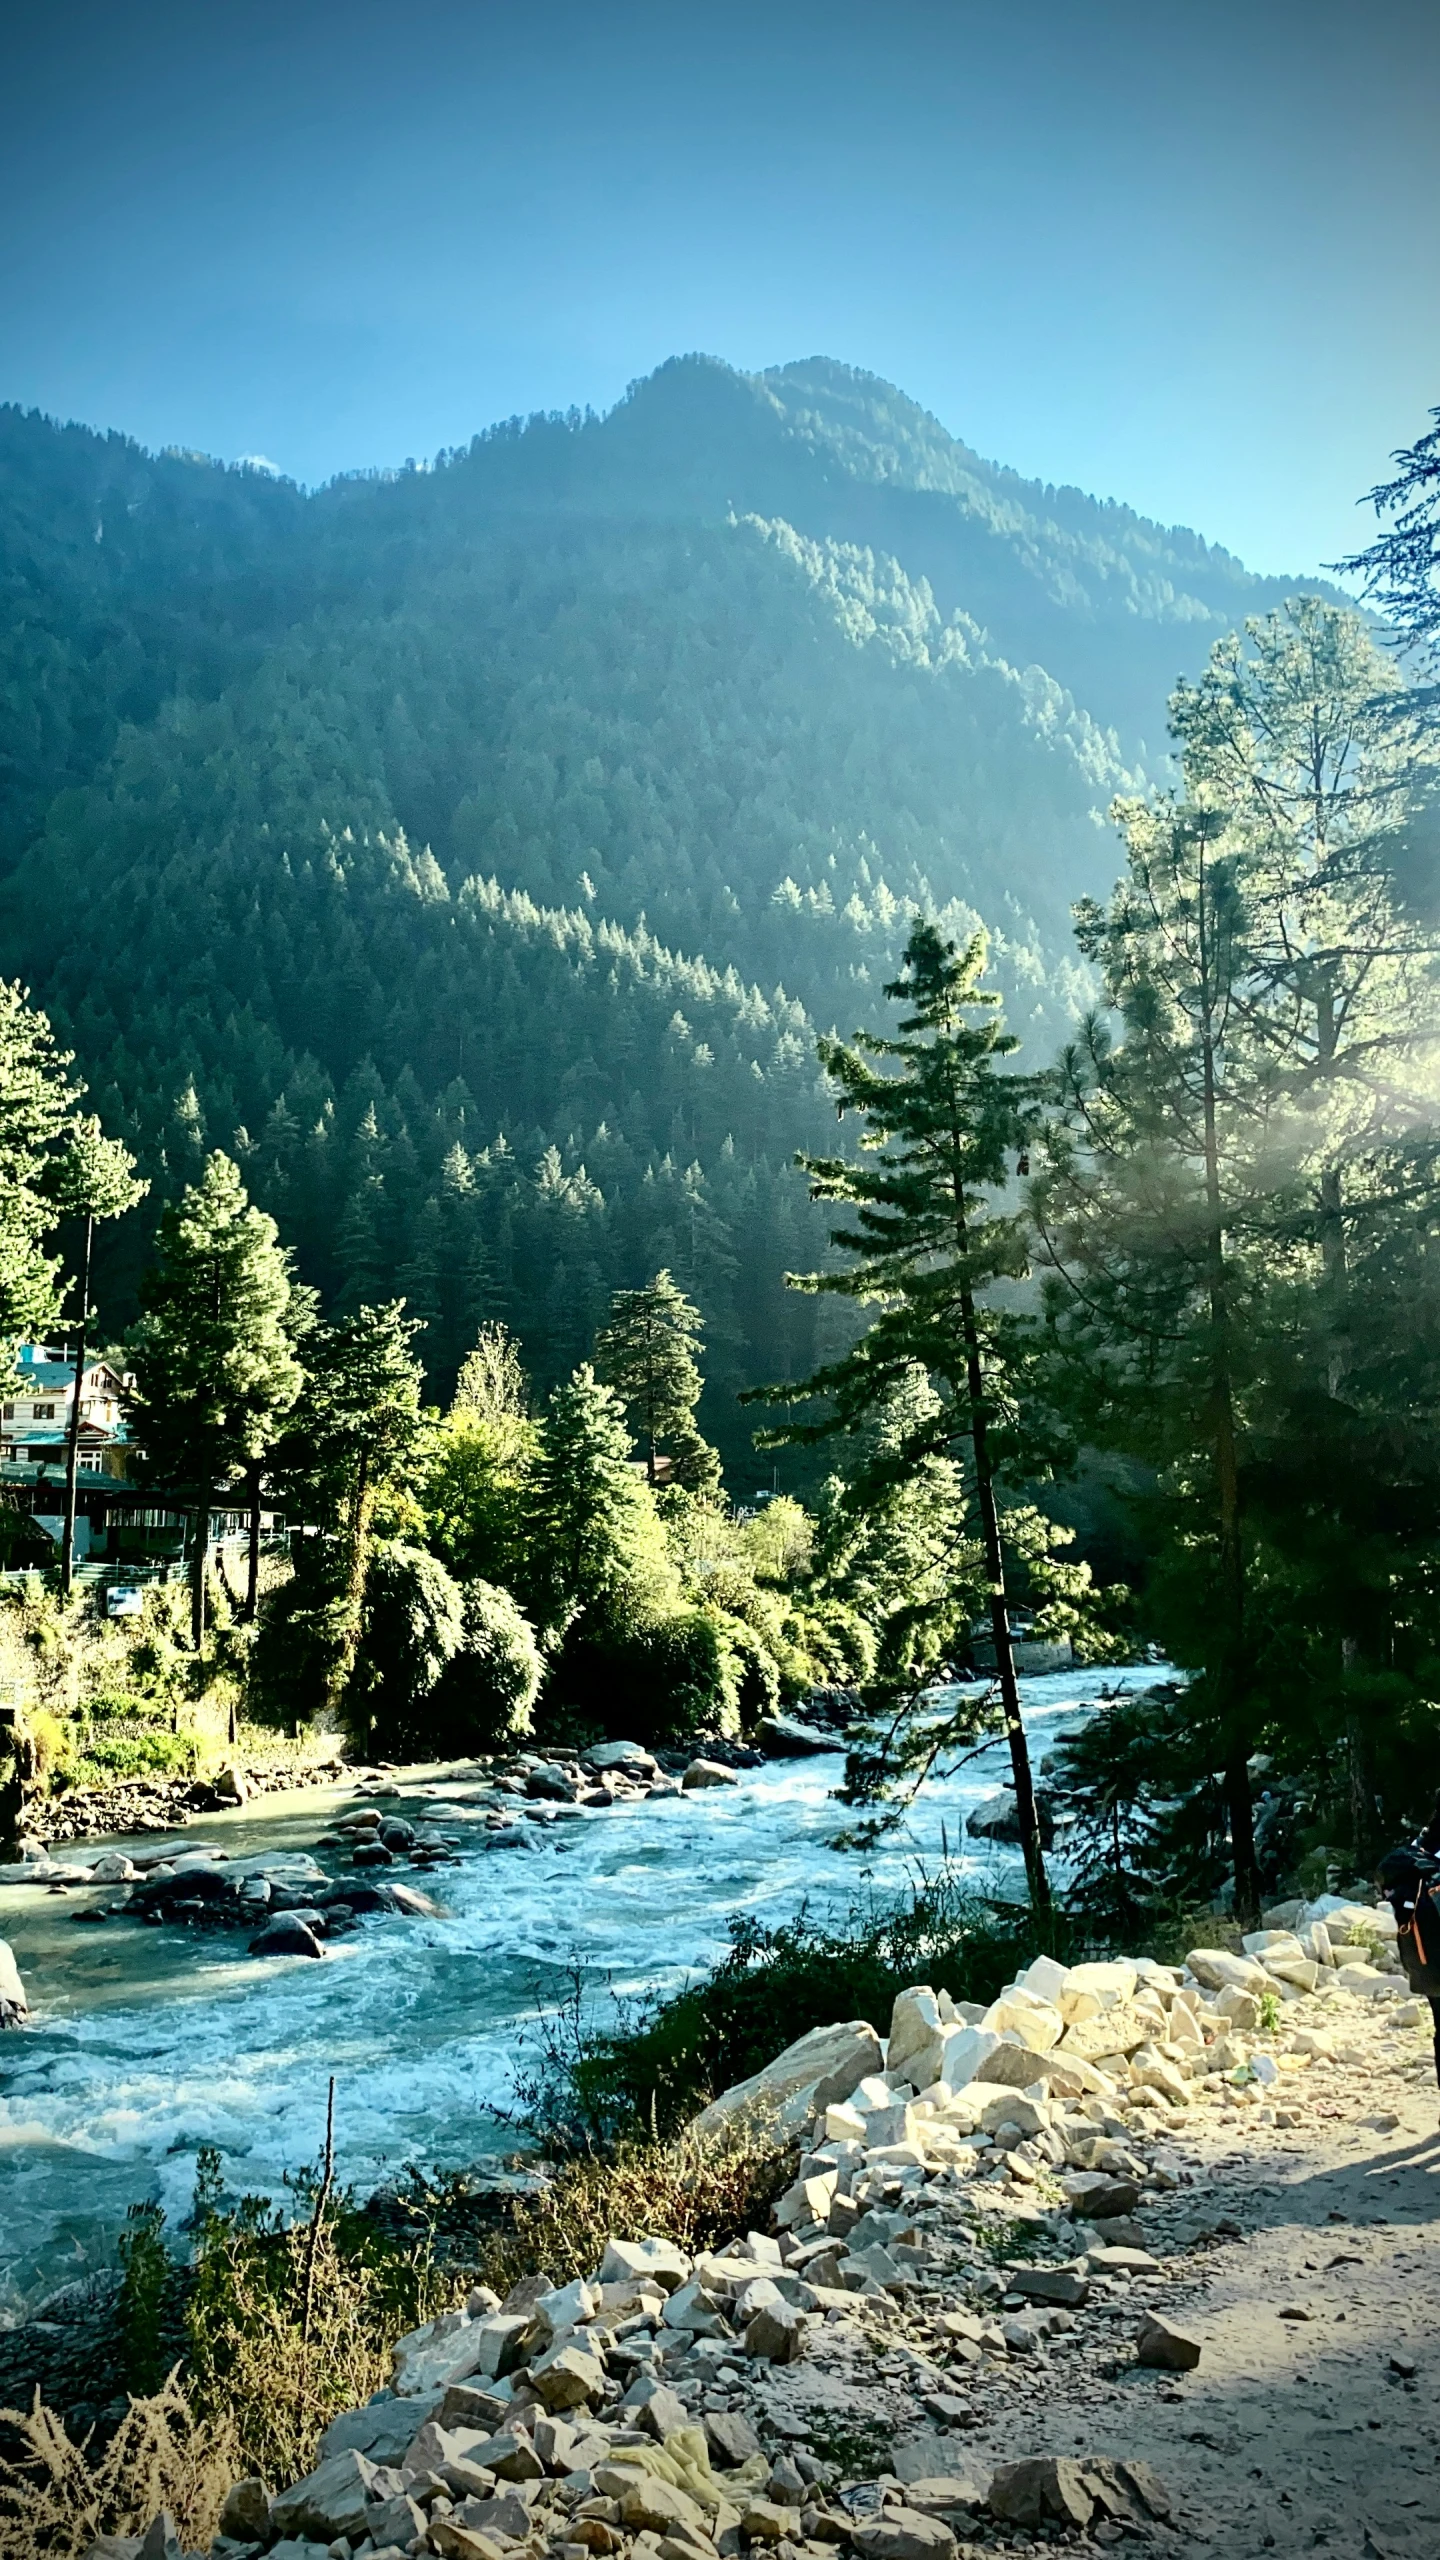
(1145, 2261)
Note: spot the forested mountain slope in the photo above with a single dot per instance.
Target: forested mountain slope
(474, 850)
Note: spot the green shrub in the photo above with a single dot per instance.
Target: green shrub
(484, 1696)
(137, 1755)
(653, 2066)
(411, 1628)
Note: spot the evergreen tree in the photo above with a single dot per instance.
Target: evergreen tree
(95, 1181)
(360, 1438)
(37, 1114)
(929, 1248)
(1401, 568)
(590, 1521)
(213, 1357)
(646, 1352)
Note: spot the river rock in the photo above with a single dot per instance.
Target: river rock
(287, 1935)
(824, 2066)
(14, 2007)
(622, 1755)
(787, 1738)
(707, 1773)
(997, 1818)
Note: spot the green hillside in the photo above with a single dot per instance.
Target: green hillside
(474, 851)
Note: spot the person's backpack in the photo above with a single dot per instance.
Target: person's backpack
(1418, 1942)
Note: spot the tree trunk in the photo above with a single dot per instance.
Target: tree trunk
(1231, 1683)
(252, 1560)
(199, 1563)
(72, 1436)
(361, 1513)
(1026, 1812)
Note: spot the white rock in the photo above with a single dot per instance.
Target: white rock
(966, 2052)
(1046, 1979)
(915, 2022)
(12, 1989)
(1218, 1970)
(1111, 1980)
(831, 2062)
(1034, 2022)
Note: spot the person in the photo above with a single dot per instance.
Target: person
(1402, 1876)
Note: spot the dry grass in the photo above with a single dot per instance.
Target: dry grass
(55, 2500)
(693, 2191)
(272, 2389)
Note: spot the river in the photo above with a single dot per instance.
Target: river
(147, 2043)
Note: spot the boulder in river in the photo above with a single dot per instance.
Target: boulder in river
(14, 2007)
(996, 1818)
(787, 1738)
(288, 1935)
(621, 1755)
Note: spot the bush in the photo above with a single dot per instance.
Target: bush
(411, 1629)
(137, 1755)
(58, 2498)
(656, 1680)
(485, 1694)
(594, 2087)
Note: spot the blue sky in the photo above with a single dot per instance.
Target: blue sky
(1186, 257)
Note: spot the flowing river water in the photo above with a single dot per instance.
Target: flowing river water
(147, 2043)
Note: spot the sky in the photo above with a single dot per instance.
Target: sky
(1184, 257)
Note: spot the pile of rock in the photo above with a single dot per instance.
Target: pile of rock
(643, 2411)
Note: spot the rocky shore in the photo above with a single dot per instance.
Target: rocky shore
(1049, 2272)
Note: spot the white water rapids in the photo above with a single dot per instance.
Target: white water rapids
(147, 2043)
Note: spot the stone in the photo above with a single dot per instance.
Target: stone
(566, 2306)
(830, 2062)
(1012, 2106)
(114, 1868)
(660, 2264)
(657, 2408)
(707, 1773)
(761, 2520)
(947, 2494)
(1046, 2488)
(331, 2501)
(245, 2516)
(13, 2004)
(731, 2437)
(1161, 2344)
(1105, 2259)
(1068, 2286)
(568, 2378)
(160, 2541)
(555, 2442)
(1031, 2023)
(775, 2333)
(1215, 1969)
(395, 2524)
(903, 2533)
(460, 2542)
(509, 2456)
(1096, 2196)
(788, 1738)
(621, 1755)
(1009, 2065)
(915, 2022)
(1239, 2008)
(463, 2405)
(383, 2429)
(286, 1935)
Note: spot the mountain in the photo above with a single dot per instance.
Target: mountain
(474, 850)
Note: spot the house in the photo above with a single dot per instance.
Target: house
(36, 1408)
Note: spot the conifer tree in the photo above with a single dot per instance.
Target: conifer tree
(1159, 1205)
(588, 1512)
(37, 1113)
(646, 1352)
(95, 1181)
(214, 1362)
(360, 1437)
(941, 1137)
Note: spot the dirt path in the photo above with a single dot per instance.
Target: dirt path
(1305, 2261)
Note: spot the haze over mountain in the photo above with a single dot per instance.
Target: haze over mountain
(474, 851)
